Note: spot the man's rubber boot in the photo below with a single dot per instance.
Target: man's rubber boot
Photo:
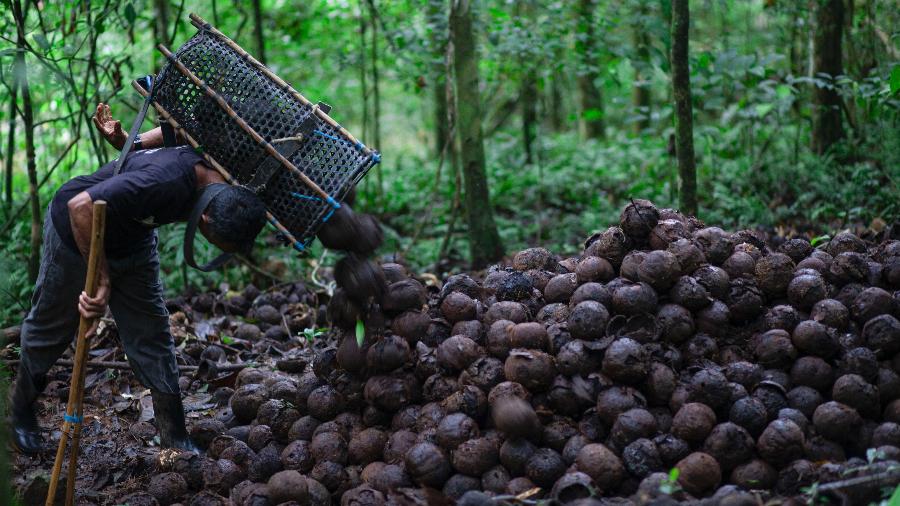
(26, 432)
(169, 413)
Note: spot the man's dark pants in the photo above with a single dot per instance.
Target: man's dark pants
(136, 302)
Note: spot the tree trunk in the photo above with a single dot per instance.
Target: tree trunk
(484, 241)
(161, 27)
(437, 20)
(528, 94)
(34, 257)
(641, 93)
(591, 122)
(827, 128)
(258, 32)
(681, 91)
(376, 99)
(555, 111)
(11, 145)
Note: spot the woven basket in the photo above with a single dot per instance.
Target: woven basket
(259, 132)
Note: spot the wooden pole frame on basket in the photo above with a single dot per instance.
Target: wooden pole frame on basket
(74, 414)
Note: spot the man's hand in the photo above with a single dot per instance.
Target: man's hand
(110, 129)
(95, 307)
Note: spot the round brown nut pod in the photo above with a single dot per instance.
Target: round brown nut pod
(774, 349)
(459, 484)
(797, 249)
(591, 291)
(666, 232)
(848, 267)
(632, 425)
(454, 429)
(298, 456)
(813, 338)
(854, 391)
(560, 288)
(714, 279)
(469, 399)
(514, 455)
(749, 413)
(428, 465)
(836, 421)
(411, 325)
(398, 444)
(286, 486)
(634, 298)
(638, 219)
(730, 444)
(797, 475)
(630, 264)
(528, 335)
(167, 488)
(221, 475)
(388, 477)
(495, 479)
(362, 495)
(688, 292)
(404, 295)
(367, 446)
(615, 400)
(782, 317)
(484, 373)
(329, 446)
(516, 286)
(756, 474)
(745, 373)
(246, 400)
(390, 393)
(602, 465)
(641, 458)
(805, 290)
(660, 384)
(534, 258)
(660, 269)
(515, 312)
(888, 383)
(888, 433)
(676, 323)
(577, 359)
(882, 334)
(611, 244)
(508, 388)
(544, 467)
(688, 254)
(773, 274)
(813, 372)
(324, 403)
(588, 320)
(693, 422)
(626, 361)
(458, 306)
(699, 473)
(744, 300)
(498, 338)
(594, 269)
(475, 456)
(388, 353)
(804, 399)
(781, 442)
(515, 417)
(830, 312)
(360, 277)
(533, 369)
(473, 329)
(716, 244)
(457, 352)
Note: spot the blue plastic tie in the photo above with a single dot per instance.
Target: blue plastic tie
(325, 218)
(323, 134)
(73, 418)
(376, 157)
(334, 203)
(299, 246)
(301, 196)
(360, 146)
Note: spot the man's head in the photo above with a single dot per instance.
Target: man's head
(233, 219)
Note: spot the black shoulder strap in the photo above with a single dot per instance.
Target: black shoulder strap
(190, 230)
(136, 126)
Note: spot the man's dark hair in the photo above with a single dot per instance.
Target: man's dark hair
(236, 215)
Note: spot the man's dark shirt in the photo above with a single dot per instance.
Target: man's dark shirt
(155, 187)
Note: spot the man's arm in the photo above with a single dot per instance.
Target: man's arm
(81, 215)
(112, 131)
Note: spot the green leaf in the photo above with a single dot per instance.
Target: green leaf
(895, 79)
(593, 114)
(763, 109)
(704, 60)
(819, 240)
(130, 14)
(673, 474)
(227, 340)
(360, 332)
(498, 13)
(783, 91)
(895, 497)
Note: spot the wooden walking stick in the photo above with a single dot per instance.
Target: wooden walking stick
(73, 417)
